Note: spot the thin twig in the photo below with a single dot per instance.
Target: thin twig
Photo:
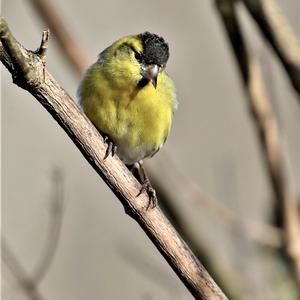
(42, 50)
(276, 29)
(120, 180)
(268, 132)
(24, 281)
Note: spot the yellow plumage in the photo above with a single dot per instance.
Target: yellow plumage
(136, 116)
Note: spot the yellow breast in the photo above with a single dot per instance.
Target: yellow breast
(136, 119)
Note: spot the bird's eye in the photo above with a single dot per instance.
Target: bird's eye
(138, 56)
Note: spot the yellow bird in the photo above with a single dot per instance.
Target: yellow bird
(130, 98)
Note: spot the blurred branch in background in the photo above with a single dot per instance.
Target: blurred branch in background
(29, 283)
(56, 213)
(24, 281)
(70, 47)
(268, 133)
(178, 183)
(28, 71)
(277, 31)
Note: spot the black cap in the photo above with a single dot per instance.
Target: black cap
(156, 50)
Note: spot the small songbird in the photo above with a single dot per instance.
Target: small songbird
(130, 98)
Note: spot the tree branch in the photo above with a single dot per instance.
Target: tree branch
(268, 133)
(58, 103)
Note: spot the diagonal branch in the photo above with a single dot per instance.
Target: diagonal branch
(63, 109)
(268, 133)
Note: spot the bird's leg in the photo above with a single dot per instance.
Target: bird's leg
(111, 147)
(146, 185)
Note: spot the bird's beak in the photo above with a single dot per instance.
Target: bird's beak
(150, 72)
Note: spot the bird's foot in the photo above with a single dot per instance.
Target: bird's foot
(147, 187)
(111, 147)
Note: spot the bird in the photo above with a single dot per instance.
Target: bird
(129, 97)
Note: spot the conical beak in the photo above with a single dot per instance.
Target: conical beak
(150, 72)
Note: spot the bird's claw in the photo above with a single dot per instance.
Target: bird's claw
(111, 147)
(147, 187)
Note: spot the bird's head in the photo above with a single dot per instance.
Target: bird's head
(154, 56)
(138, 57)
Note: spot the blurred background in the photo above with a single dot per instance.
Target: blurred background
(64, 229)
